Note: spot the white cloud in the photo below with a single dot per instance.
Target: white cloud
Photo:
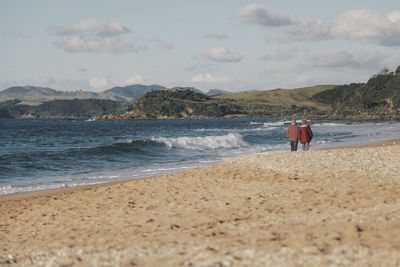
(215, 36)
(96, 44)
(354, 25)
(394, 16)
(365, 25)
(209, 78)
(98, 83)
(90, 26)
(135, 79)
(93, 36)
(313, 30)
(262, 15)
(222, 55)
(336, 58)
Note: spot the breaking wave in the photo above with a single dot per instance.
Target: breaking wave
(276, 124)
(230, 140)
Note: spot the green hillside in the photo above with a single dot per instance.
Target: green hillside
(278, 96)
(299, 97)
(378, 98)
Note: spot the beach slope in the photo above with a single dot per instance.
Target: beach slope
(335, 207)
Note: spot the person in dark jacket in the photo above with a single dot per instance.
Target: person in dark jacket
(306, 135)
(292, 133)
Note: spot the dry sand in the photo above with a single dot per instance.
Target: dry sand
(322, 208)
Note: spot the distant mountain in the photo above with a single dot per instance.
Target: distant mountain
(129, 92)
(215, 92)
(35, 93)
(186, 89)
(77, 94)
(28, 93)
(42, 94)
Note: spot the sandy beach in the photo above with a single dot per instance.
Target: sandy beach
(337, 207)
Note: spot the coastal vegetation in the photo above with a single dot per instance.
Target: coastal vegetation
(378, 98)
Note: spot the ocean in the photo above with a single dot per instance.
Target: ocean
(43, 154)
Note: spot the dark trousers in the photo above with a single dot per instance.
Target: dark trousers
(293, 145)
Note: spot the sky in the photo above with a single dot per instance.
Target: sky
(235, 45)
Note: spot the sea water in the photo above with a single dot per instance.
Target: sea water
(43, 154)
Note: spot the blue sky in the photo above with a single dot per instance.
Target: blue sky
(234, 45)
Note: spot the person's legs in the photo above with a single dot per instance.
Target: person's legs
(292, 146)
(296, 144)
(306, 146)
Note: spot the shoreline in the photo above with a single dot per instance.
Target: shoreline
(335, 207)
(110, 183)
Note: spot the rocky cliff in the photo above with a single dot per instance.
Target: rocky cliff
(178, 103)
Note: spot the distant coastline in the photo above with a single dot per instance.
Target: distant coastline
(377, 99)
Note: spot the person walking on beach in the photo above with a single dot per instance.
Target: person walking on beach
(292, 133)
(306, 135)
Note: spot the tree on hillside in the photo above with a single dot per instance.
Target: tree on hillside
(398, 70)
(384, 71)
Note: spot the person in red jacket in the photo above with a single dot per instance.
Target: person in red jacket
(306, 135)
(292, 133)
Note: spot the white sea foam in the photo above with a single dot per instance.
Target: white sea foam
(231, 140)
(327, 124)
(161, 170)
(8, 189)
(267, 128)
(276, 124)
(237, 130)
(283, 123)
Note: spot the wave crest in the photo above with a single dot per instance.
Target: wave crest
(230, 140)
(276, 123)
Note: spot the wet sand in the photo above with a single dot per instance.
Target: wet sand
(336, 207)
